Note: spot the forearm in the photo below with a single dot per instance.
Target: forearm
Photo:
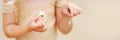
(65, 25)
(13, 30)
(11, 26)
(63, 22)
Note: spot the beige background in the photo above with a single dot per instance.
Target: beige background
(100, 20)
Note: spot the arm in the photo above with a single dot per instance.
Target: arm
(63, 23)
(10, 23)
(64, 14)
(11, 26)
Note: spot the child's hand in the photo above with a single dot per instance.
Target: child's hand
(36, 25)
(71, 10)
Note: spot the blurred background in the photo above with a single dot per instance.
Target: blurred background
(99, 20)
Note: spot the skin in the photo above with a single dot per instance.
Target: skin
(63, 16)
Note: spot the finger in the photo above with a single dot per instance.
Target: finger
(40, 26)
(77, 13)
(66, 11)
(69, 6)
(75, 10)
(78, 9)
(39, 21)
(43, 29)
(35, 23)
(40, 29)
(69, 12)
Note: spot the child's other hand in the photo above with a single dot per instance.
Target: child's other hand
(36, 25)
(71, 10)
